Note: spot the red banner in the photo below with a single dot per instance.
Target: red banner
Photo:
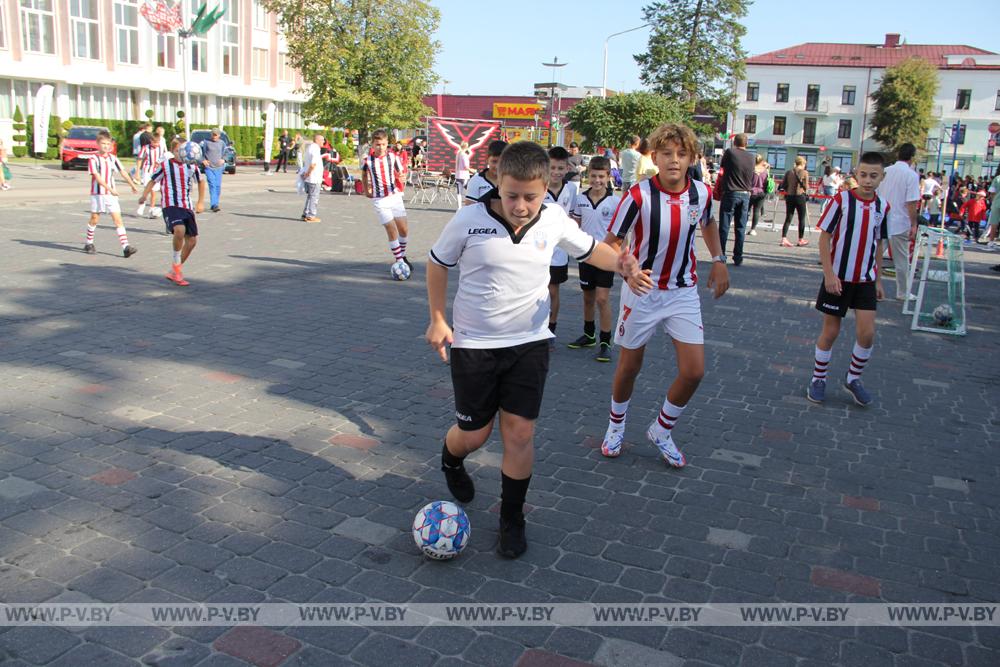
(445, 136)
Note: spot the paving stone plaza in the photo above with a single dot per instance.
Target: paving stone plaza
(267, 434)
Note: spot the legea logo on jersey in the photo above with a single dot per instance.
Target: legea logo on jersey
(482, 231)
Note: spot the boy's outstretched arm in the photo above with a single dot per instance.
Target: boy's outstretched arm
(718, 277)
(831, 283)
(439, 334)
(200, 206)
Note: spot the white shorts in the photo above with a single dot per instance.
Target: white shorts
(389, 208)
(146, 176)
(677, 310)
(104, 204)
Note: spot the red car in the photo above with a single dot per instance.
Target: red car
(80, 144)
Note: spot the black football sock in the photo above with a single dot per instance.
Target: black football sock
(449, 459)
(606, 337)
(512, 494)
(588, 328)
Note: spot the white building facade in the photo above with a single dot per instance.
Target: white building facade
(106, 62)
(814, 100)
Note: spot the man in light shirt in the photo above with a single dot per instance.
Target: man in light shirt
(312, 177)
(901, 190)
(628, 163)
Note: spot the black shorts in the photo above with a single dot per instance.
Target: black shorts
(175, 215)
(592, 277)
(558, 274)
(511, 379)
(859, 296)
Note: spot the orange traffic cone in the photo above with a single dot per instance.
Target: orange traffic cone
(939, 253)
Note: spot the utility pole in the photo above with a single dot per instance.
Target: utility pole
(552, 93)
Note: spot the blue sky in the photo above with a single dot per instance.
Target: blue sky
(498, 47)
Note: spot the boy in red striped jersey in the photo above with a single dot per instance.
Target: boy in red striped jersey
(663, 214)
(150, 157)
(104, 196)
(853, 227)
(175, 177)
(382, 177)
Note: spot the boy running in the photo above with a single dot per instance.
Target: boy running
(663, 213)
(104, 196)
(564, 194)
(499, 358)
(175, 177)
(150, 157)
(593, 211)
(485, 180)
(382, 177)
(853, 226)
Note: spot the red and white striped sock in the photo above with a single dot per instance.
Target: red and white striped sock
(616, 419)
(669, 414)
(90, 234)
(822, 364)
(859, 358)
(402, 244)
(397, 250)
(122, 236)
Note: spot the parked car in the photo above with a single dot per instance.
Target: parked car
(80, 143)
(229, 154)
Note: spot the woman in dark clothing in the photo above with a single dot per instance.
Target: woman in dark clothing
(796, 187)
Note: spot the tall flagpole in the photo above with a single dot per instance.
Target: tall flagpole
(184, 34)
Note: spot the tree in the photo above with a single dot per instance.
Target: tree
(19, 149)
(694, 52)
(612, 121)
(367, 64)
(903, 104)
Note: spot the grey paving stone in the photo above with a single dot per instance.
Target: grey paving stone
(15, 488)
(614, 652)
(730, 539)
(361, 529)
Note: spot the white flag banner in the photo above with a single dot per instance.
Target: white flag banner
(43, 109)
(268, 133)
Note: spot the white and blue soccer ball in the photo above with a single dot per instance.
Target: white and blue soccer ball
(189, 153)
(943, 315)
(400, 270)
(441, 530)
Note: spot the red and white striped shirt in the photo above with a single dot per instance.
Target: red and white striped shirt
(151, 156)
(664, 224)
(104, 166)
(175, 182)
(384, 173)
(856, 226)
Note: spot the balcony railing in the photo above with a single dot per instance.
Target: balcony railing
(803, 106)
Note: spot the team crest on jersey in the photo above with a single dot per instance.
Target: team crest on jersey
(540, 241)
(694, 214)
(606, 212)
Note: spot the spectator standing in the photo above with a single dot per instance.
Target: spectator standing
(796, 187)
(214, 162)
(900, 188)
(646, 167)
(463, 157)
(758, 191)
(299, 144)
(284, 148)
(312, 177)
(629, 163)
(738, 166)
(829, 181)
(575, 163)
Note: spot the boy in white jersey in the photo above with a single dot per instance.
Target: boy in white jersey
(382, 176)
(175, 178)
(593, 210)
(104, 196)
(564, 195)
(484, 181)
(662, 213)
(854, 225)
(499, 356)
(150, 157)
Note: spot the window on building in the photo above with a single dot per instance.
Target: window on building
(847, 96)
(166, 51)
(753, 91)
(199, 54)
(776, 157)
(810, 161)
(259, 64)
(750, 123)
(259, 16)
(285, 71)
(812, 97)
(782, 95)
(963, 99)
(842, 161)
(38, 26)
(84, 28)
(779, 125)
(127, 31)
(231, 38)
(961, 135)
(996, 107)
(809, 131)
(844, 130)
(3, 30)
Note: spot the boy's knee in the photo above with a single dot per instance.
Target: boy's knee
(692, 374)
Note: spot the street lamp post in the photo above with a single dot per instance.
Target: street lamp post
(604, 81)
(552, 92)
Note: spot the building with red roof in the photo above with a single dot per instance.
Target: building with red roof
(813, 99)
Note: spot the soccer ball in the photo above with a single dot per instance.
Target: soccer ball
(441, 530)
(943, 315)
(400, 270)
(189, 153)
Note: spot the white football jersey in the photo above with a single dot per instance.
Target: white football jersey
(566, 199)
